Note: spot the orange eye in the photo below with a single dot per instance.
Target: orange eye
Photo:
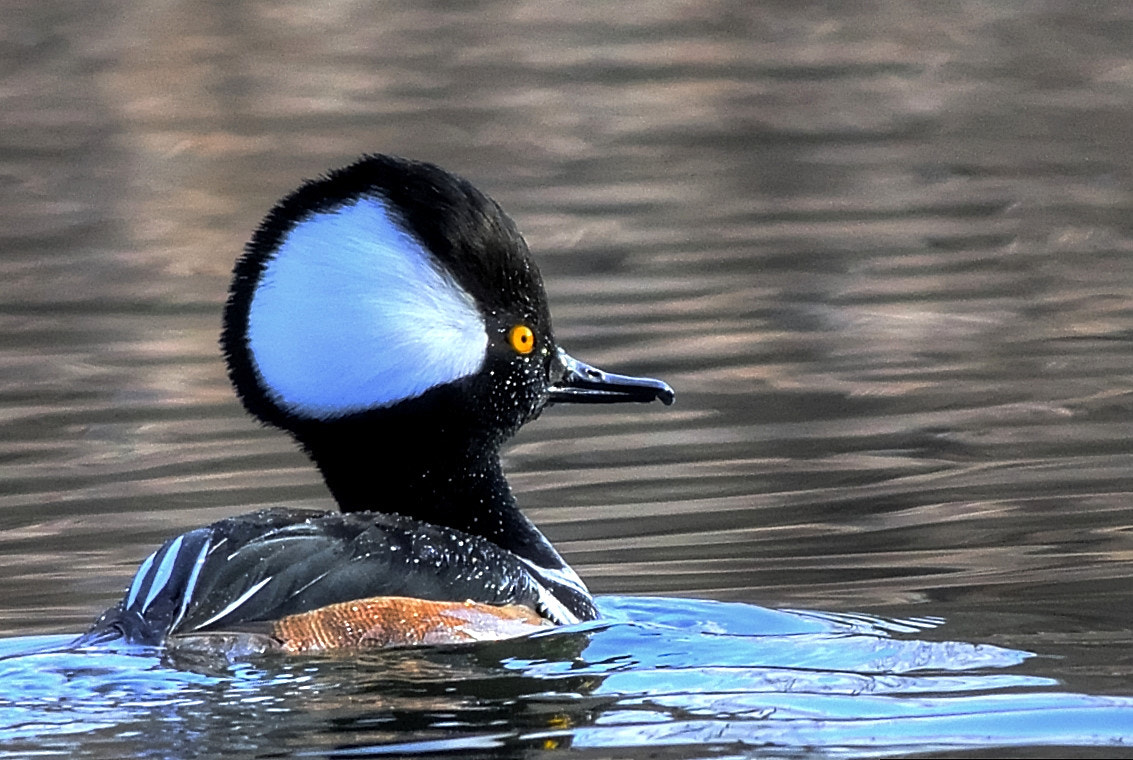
(521, 339)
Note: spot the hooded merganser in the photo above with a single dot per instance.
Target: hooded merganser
(389, 317)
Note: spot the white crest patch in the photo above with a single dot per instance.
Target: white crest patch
(352, 313)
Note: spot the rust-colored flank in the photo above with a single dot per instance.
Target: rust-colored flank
(390, 621)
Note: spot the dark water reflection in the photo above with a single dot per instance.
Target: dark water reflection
(882, 250)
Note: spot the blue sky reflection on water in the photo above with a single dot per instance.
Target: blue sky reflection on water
(857, 688)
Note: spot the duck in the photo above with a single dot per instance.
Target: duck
(388, 315)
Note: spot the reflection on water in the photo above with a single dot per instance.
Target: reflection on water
(653, 674)
(881, 251)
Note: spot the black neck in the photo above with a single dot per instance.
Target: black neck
(457, 487)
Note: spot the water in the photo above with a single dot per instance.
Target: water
(881, 250)
(701, 678)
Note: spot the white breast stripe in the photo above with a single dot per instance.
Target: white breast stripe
(562, 576)
(555, 610)
(353, 313)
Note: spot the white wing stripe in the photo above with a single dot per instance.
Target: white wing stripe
(163, 572)
(139, 579)
(187, 594)
(235, 604)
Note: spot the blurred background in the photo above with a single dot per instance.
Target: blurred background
(881, 249)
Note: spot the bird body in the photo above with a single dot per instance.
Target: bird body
(390, 318)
